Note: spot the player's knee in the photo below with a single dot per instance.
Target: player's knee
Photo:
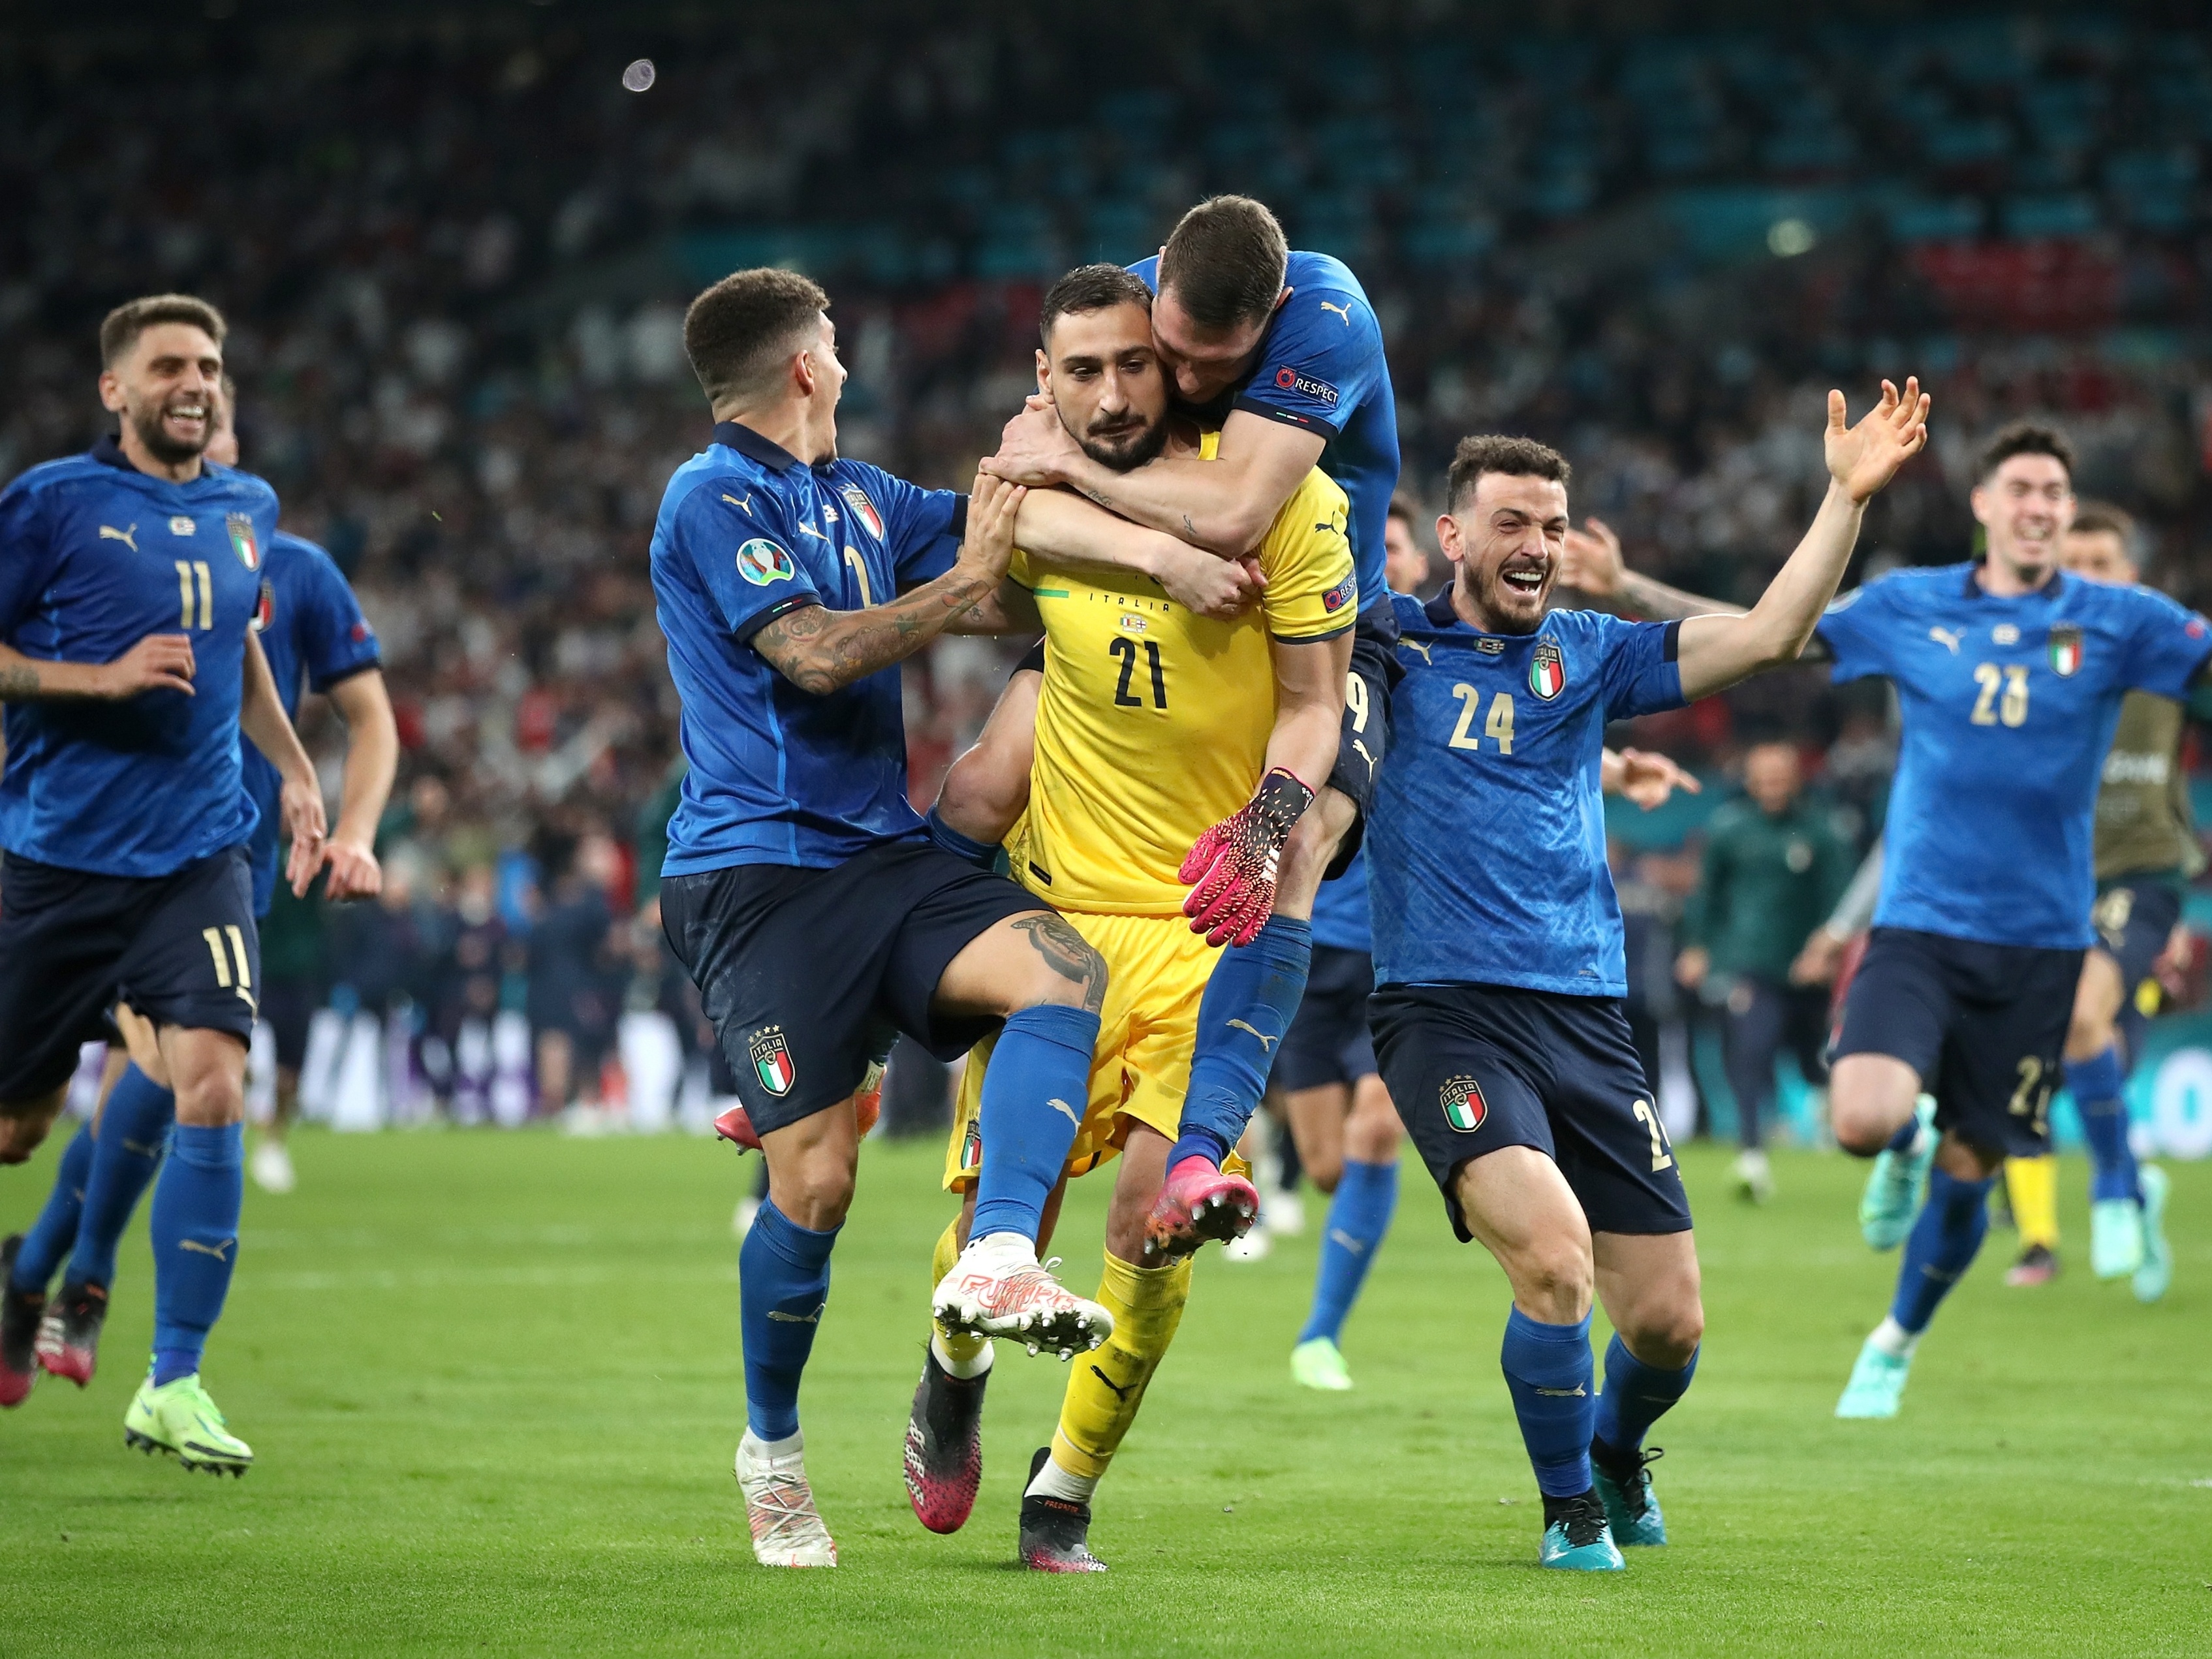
(212, 1100)
(1554, 1275)
(1323, 1170)
(2089, 1033)
(23, 1127)
(816, 1195)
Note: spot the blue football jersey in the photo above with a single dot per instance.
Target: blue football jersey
(313, 634)
(94, 556)
(746, 533)
(1321, 368)
(2008, 707)
(1486, 847)
(1340, 913)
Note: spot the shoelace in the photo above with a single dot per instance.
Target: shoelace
(1635, 1491)
(1585, 1521)
(783, 1513)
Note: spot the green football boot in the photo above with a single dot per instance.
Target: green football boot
(1898, 1186)
(180, 1419)
(1631, 1508)
(1877, 1384)
(1318, 1363)
(1576, 1538)
(2116, 1237)
(2156, 1273)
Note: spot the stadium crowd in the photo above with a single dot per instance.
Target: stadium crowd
(461, 365)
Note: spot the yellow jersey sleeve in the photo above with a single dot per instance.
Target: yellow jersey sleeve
(1307, 555)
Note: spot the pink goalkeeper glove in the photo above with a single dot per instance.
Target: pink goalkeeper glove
(1232, 869)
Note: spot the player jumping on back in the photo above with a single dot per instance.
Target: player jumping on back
(1499, 961)
(1151, 724)
(129, 581)
(311, 629)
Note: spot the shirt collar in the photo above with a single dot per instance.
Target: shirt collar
(1439, 610)
(108, 452)
(1975, 590)
(737, 436)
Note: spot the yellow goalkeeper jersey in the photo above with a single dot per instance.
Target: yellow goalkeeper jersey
(1153, 723)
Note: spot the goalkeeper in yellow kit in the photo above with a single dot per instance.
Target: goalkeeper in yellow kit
(1154, 726)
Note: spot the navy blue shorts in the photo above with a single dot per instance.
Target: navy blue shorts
(1474, 1068)
(181, 949)
(1365, 737)
(1983, 1025)
(808, 975)
(1328, 1041)
(2133, 920)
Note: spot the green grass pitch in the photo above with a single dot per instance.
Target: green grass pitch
(493, 1382)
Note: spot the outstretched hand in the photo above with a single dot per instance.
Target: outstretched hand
(1593, 563)
(1865, 457)
(1648, 779)
(993, 506)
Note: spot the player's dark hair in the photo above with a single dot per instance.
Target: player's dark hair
(120, 329)
(739, 332)
(2025, 437)
(2092, 518)
(1090, 288)
(1493, 453)
(1225, 260)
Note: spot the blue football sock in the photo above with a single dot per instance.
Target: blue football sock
(49, 1237)
(1358, 1217)
(1550, 1376)
(1940, 1247)
(783, 1284)
(195, 1224)
(1035, 1091)
(1636, 1396)
(965, 848)
(134, 1132)
(1907, 1132)
(1249, 1004)
(2097, 1084)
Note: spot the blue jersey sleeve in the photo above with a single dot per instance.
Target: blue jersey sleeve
(743, 556)
(26, 554)
(921, 528)
(1857, 632)
(336, 641)
(1641, 674)
(2166, 645)
(1323, 359)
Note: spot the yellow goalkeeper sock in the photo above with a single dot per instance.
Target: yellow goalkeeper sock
(1108, 1383)
(2033, 1186)
(957, 1351)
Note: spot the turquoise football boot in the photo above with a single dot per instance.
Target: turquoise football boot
(2156, 1273)
(1877, 1384)
(2116, 1237)
(1579, 1539)
(1631, 1508)
(1897, 1185)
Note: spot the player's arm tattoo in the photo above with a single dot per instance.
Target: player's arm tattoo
(821, 651)
(1069, 955)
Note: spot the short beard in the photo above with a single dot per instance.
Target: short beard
(163, 447)
(1128, 459)
(1495, 588)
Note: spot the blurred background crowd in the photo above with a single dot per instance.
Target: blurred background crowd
(455, 255)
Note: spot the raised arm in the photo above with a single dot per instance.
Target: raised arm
(1714, 652)
(261, 717)
(821, 651)
(372, 759)
(1224, 505)
(1059, 528)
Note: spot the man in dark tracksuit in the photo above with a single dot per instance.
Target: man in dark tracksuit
(1774, 868)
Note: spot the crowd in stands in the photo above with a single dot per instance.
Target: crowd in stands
(455, 257)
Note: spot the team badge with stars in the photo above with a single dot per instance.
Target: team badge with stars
(1547, 671)
(863, 508)
(2065, 649)
(241, 539)
(972, 1150)
(772, 1060)
(1464, 1106)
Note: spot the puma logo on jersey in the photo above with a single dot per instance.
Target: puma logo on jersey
(214, 1250)
(1343, 311)
(1416, 645)
(1360, 743)
(809, 530)
(1120, 1393)
(1944, 637)
(1073, 1116)
(128, 538)
(1267, 1043)
(745, 506)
